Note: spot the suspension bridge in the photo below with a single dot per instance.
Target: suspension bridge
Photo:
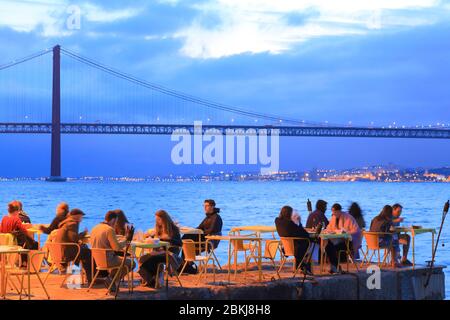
(119, 103)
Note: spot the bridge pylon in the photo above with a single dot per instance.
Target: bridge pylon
(55, 166)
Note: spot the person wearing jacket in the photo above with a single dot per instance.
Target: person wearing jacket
(61, 214)
(165, 230)
(68, 233)
(343, 221)
(383, 223)
(211, 224)
(318, 216)
(286, 227)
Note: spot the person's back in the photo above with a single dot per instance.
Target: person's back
(379, 224)
(103, 236)
(11, 224)
(315, 218)
(287, 228)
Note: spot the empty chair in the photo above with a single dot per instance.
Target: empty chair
(36, 259)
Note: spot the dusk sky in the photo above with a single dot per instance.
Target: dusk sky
(366, 62)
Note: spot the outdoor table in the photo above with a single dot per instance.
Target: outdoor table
(145, 245)
(257, 229)
(4, 251)
(35, 229)
(233, 238)
(414, 232)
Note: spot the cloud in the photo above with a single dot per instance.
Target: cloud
(49, 18)
(256, 26)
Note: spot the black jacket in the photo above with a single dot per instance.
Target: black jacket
(54, 225)
(380, 225)
(315, 218)
(211, 225)
(287, 228)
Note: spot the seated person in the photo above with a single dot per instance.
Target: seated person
(344, 222)
(356, 212)
(12, 224)
(165, 230)
(211, 224)
(288, 226)
(403, 238)
(61, 213)
(383, 223)
(68, 233)
(24, 217)
(318, 216)
(122, 225)
(103, 236)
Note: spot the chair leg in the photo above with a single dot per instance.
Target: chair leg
(21, 287)
(9, 280)
(184, 266)
(93, 280)
(43, 286)
(113, 281)
(50, 270)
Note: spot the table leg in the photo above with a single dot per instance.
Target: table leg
(322, 258)
(167, 268)
(229, 261)
(259, 260)
(2, 276)
(413, 236)
(28, 272)
(432, 245)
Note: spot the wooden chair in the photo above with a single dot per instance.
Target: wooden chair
(373, 247)
(56, 252)
(191, 254)
(36, 259)
(288, 245)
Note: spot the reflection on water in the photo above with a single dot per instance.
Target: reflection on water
(241, 203)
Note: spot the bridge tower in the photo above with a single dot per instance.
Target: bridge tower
(55, 170)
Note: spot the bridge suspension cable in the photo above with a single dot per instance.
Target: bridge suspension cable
(181, 95)
(25, 59)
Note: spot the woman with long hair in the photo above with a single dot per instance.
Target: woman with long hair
(122, 225)
(383, 223)
(356, 212)
(165, 230)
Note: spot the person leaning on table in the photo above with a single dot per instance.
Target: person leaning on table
(62, 210)
(343, 221)
(103, 236)
(404, 238)
(289, 226)
(11, 223)
(67, 232)
(383, 223)
(165, 230)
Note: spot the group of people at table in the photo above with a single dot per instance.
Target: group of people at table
(65, 229)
